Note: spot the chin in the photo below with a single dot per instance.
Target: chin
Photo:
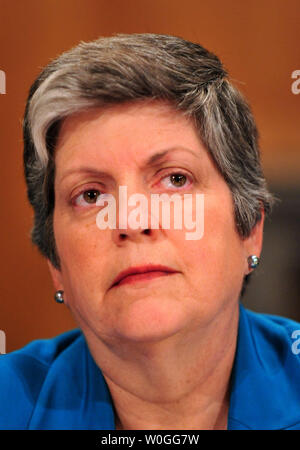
(151, 319)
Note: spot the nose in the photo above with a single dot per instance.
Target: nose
(133, 235)
(133, 220)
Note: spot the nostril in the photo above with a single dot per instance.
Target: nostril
(123, 236)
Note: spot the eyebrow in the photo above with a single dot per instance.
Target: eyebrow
(157, 157)
(151, 161)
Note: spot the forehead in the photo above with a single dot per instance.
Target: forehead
(148, 120)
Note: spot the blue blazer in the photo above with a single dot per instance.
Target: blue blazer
(55, 383)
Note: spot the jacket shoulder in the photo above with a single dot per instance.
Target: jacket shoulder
(265, 388)
(22, 373)
(284, 328)
(277, 337)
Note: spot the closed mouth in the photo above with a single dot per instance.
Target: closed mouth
(142, 273)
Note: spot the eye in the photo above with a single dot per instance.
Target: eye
(88, 196)
(176, 179)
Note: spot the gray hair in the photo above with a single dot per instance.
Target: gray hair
(134, 67)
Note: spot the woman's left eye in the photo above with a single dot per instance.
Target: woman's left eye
(176, 179)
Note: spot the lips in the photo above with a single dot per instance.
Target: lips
(133, 274)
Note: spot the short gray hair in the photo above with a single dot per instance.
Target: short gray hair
(135, 67)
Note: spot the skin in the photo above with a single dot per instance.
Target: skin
(166, 345)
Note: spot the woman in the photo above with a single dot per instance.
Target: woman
(163, 340)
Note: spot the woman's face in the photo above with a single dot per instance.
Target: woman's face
(102, 149)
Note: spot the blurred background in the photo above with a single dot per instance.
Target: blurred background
(258, 42)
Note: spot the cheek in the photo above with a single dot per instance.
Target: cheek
(83, 260)
(82, 250)
(215, 263)
(227, 258)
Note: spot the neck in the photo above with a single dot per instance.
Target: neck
(172, 385)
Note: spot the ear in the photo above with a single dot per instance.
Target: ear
(253, 243)
(56, 277)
